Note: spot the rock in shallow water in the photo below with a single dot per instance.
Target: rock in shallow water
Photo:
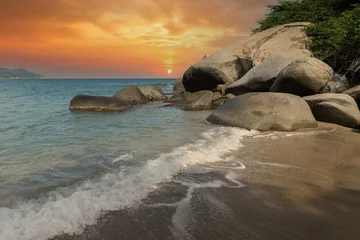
(153, 93)
(265, 112)
(98, 104)
(132, 95)
(340, 109)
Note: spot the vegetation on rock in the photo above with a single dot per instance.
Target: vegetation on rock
(334, 32)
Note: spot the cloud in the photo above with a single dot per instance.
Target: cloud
(155, 27)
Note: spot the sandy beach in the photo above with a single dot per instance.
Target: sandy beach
(297, 186)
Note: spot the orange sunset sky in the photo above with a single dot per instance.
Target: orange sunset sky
(120, 38)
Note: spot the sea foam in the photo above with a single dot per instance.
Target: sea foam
(70, 210)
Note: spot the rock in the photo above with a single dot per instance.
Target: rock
(354, 93)
(204, 102)
(230, 96)
(190, 97)
(303, 77)
(209, 73)
(234, 61)
(218, 102)
(337, 84)
(132, 95)
(216, 96)
(178, 86)
(260, 46)
(265, 112)
(262, 76)
(98, 104)
(335, 108)
(152, 93)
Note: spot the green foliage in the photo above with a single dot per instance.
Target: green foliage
(288, 11)
(334, 32)
(337, 41)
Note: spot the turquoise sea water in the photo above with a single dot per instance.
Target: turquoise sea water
(60, 169)
(44, 145)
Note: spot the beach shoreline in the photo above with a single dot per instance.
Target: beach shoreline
(301, 185)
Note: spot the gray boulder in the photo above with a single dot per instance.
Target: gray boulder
(204, 102)
(335, 108)
(262, 76)
(98, 104)
(178, 87)
(265, 112)
(303, 77)
(132, 95)
(152, 93)
(189, 97)
(338, 84)
(210, 72)
(354, 93)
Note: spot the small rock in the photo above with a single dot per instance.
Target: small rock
(132, 95)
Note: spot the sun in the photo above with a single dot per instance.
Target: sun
(169, 71)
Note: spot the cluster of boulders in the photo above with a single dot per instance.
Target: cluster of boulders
(269, 81)
(127, 98)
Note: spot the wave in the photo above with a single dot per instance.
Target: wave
(70, 210)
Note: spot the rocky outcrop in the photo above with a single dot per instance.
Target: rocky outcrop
(204, 102)
(337, 84)
(340, 109)
(303, 77)
(354, 93)
(152, 93)
(209, 72)
(233, 62)
(265, 112)
(98, 104)
(262, 76)
(132, 95)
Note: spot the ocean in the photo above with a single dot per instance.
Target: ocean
(60, 171)
(159, 172)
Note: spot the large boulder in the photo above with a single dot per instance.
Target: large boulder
(234, 61)
(337, 84)
(209, 72)
(335, 108)
(303, 77)
(354, 93)
(204, 102)
(132, 95)
(262, 76)
(265, 112)
(98, 104)
(153, 93)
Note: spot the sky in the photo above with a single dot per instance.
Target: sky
(120, 38)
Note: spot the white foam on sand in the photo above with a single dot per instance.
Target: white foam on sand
(181, 220)
(70, 210)
(124, 157)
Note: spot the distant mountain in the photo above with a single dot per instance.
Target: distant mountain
(19, 73)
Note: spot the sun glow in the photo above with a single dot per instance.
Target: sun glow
(169, 71)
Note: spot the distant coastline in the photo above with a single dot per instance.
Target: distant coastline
(18, 73)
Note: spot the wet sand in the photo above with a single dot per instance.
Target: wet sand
(304, 186)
